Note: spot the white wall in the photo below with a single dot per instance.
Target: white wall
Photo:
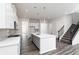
(52, 27)
(75, 18)
(58, 23)
(43, 26)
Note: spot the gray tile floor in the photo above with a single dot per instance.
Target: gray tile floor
(28, 48)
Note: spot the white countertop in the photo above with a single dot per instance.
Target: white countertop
(44, 35)
(10, 41)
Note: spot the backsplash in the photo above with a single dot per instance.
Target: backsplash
(3, 33)
(12, 32)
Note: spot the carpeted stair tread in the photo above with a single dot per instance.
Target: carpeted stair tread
(67, 38)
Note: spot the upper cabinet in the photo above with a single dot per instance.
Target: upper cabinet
(7, 16)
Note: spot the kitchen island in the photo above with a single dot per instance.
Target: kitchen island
(45, 42)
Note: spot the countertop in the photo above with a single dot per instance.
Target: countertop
(44, 35)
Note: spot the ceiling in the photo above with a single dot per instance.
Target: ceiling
(45, 10)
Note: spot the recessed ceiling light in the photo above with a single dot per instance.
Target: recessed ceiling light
(37, 13)
(34, 7)
(49, 17)
(26, 10)
(44, 7)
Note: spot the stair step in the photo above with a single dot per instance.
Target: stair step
(66, 41)
(68, 34)
(66, 38)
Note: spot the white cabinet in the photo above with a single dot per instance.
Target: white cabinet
(7, 16)
(10, 46)
(2, 14)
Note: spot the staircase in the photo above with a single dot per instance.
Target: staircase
(67, 38)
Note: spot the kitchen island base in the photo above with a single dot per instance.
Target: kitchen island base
(44, 42)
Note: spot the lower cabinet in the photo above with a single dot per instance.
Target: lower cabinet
(9, 50)
(10, 46)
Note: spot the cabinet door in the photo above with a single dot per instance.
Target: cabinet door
(9, 17)
(2, 16)
(6, 16)
(10, 22)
